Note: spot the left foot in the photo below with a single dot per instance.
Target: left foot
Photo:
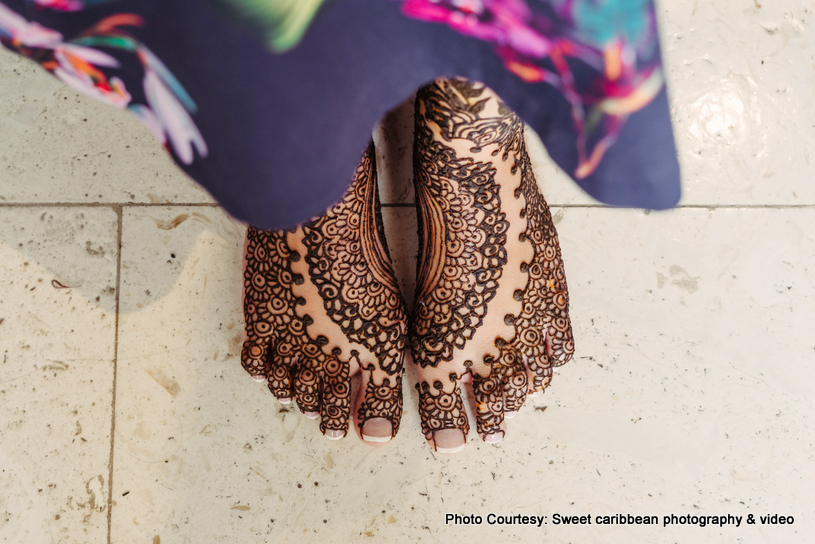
(321, 303)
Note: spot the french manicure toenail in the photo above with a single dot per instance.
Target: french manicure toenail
(449, 440)
(535, 395)
(510, 415)
(494, 438)
(312, 415)
(377, 429)
(284, 401)
(259, 378)
(333, 434)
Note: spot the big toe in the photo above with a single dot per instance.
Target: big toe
(379, 407)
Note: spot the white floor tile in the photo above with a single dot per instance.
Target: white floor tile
(60, 146)
(57, 334)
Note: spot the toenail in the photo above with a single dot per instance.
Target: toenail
(333, 434)
(284, 401)
(510, 415)
(377, 429)
(494, 438)
(535, 395)
(312, 415)
(258, 378)
(449, 440)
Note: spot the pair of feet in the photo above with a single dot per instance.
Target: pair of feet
(321, 302)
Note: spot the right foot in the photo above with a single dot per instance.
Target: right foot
(320, 304)
(491, 298)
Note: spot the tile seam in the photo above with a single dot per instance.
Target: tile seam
(105, 204)
(386, 205)
(119, 224)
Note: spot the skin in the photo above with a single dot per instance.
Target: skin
(321, 301)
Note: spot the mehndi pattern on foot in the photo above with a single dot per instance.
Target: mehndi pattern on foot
(491, 291)
(325, 296)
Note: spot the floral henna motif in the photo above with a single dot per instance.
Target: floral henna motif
(276, 337)
(383, 400)
(545, 310)
(459, 202)
(503, 390)
(336, 389)
(349, 263)
(462, 236)
(441, 410)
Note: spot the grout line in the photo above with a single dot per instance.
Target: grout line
(119, 214)
(680, 207)
(106, 204)
(122, 205)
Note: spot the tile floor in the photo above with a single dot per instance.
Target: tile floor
(129, 420)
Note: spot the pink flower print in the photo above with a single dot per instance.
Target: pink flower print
(61, 5)
(23, 32)
(502, 22)
(173, 117)
(76, 67)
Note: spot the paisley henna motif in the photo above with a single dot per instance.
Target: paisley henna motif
(349, 263)
(462, 237)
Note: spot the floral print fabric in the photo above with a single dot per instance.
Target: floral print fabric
(273, 127)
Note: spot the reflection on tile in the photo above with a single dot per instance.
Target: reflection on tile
(740, 82)
(57, 330)
(61, 146)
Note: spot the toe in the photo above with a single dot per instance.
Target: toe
(335, 408)
(379, 407)
(307, 388)
(444, 420)
(489, 401)
(539, 365)
(516, 384)
(255, 356)
(280, 382)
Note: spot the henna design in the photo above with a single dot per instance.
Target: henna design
(453, 105)
(349, 263)
(503, 390)
(462, 233)
(441, 410)
(276, 337)
(545, 309)
(384, 400)
(462, 227)
(336, 389)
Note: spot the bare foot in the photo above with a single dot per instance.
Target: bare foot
(491, 296)
(321, 303)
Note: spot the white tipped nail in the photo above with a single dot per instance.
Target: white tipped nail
(535, 395)
(333, 434)
(367, 438)
(284, 401)
(312, 415)
(510, 415)
(450, 450)
(259, 378)
(494, 438)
